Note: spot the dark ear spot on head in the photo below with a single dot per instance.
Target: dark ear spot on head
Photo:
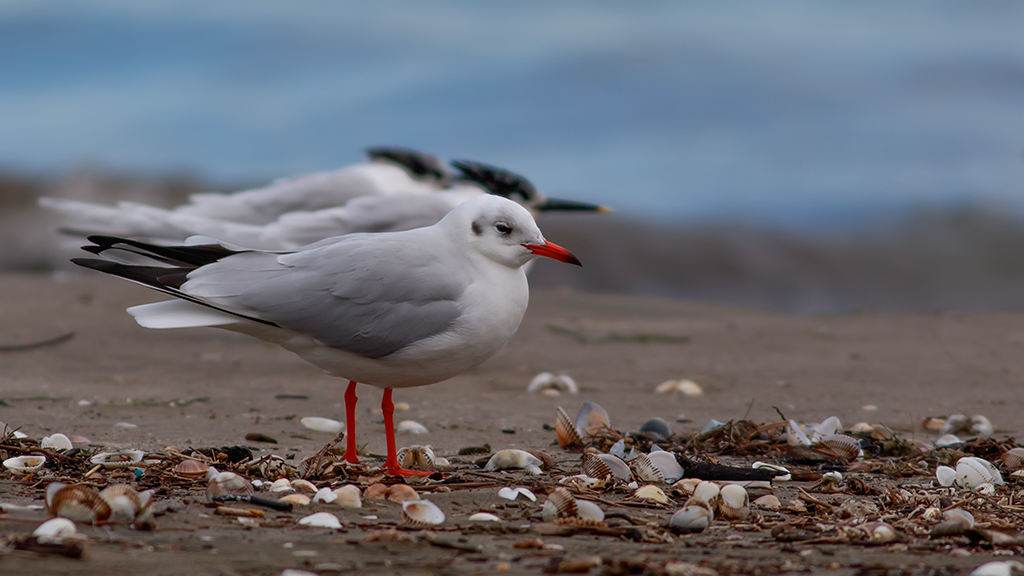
(477, 229)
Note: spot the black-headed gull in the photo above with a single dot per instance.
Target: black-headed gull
(393, 309)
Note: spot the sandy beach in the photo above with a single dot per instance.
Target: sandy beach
(209, 388)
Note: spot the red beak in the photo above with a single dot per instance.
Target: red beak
(553, 251)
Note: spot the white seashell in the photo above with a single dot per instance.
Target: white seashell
(882, 533)
(282, 486)
(670, 468)
(959, 515)
(514, 458)
(847, 448)
(565, 431)
(954, 424)
(828, 427)
(652, 493)
(484, 517)
(410, 427)
(707, 491)
(685, 387)
(861, 427)
(582, 482)
(945, 475)
(1005, 568)
(549, 381)
(304, 486)
(25, 464)
(619, 449)
(832, 477)
(123, 459)
(769, 502)
(321, 520)
(734, 503)
(296, 499)
(972, 472)
(321, 424)
(348, 496)
(325, 495)
(645, 470)
(795, 435)
(587, 510)
(666, 387)
(712, 425)
(687, 485)
(785, 477)
(981, 426)
(694, 516)
(591, 419)
(57, 442)
(987, 489)
(421, 513)
(513, 493)
(947, 440)
(55, 529)
(417, 458)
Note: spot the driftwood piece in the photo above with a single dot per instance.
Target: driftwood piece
(708, 471)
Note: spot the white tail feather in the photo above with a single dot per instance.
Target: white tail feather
(179, 314)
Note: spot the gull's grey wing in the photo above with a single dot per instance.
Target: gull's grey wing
(371, 295)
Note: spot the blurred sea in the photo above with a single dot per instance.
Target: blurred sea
(802, 156)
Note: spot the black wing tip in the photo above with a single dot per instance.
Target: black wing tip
(416, 162)
(497, 181)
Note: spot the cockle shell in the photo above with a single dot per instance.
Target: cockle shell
(847, 448)
(1013, 458)
(708, 492)
(349, 496)
(321, 424)
(191, 469)
(768, 502)
(421, 513)
(685, 387)
(303, 485)
(25, 464)
(972, 472)
(296, 499)
(947, 440)
(417, 458)
(645, 470)
(657, 426)
(227, 483)
(57, 442)
(122, 459)
(945, 475)
(694, 516)
(321, 520)
(125, 502)
(981, 426)
(74, 502)
(733, 502)
(666, 462)
(377, 491)
(410, 427)
(687, 485)
(484, 517)
(509, 493)
(954, 424)
(401, 493)
(514, 458)
(55, 529)
(559, 504)
(591, 419)
(557, 383)
(651, 493)
(587, 510)
(605, 466)
(325, 495)
(282, 486)
(828, 427)
(565, 431)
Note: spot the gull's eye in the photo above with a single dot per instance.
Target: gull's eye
(503, 229)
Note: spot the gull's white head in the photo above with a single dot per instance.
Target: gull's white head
(502, 230)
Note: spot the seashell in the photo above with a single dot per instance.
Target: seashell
(795, 435)
(57, 442)
(694, 516)
(954, 424)
(834, 477)
(933, 423)
(55, 529)
(191, 469)
(1005, 568)
(828, 427)
(769, 502)
(25, 464)
(945, 475)
(559, 504)
(417, 458)
(652, 493)
(712, 425)
(685, 387)
(784, 477)
(555, 382)
(645, 470)
(619, 449)
(282, 486)
(304, 486)
(931, 513)
(325, 495)
(862, 428)
(583, 483)
(687, 485)
(882, 533)
(78, 503)
(124, 503)
(227, 483)
(422, 513)
(321, 424)
(847, 448)
(410, 427)
(348, 496)
(665, 461)
(513, 493)
(377, 491)
(75, 439)
(959, 515)
(296, 499)
(972, 472)
(123, 459)
(484, 517)
(565, 431)
(401, 493)
(854, 508)
(656, 426)
(587, 510)
(1013, 458)
(707, 491)
(733, 502)
(986, 488)
(981, 426)
(666, 387)
(591, 419)
(321, 520)
(514, 458)
(947, 440)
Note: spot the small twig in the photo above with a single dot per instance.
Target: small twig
(39, 344)
(817, 502)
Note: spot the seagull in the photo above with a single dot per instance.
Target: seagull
(392, 310)
(390, 212)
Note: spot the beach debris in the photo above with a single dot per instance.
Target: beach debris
(972, 472)
(417, 458)
(733, 502)
(514, 459)
(509, 493)
(694, 516)
(25, 464)
(410, 427)
(401, 493)
(56, 529)
(484, 517)
(423, 513)
(321, 424)
(58, 442)
(348, 496)
(115, 460)
(321, 520)
(226, 484)
(76, 502)
(550, 384)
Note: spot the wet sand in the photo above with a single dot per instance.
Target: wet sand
(205, 388)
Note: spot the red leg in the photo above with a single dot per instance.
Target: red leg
(391, 465)
(351, 454)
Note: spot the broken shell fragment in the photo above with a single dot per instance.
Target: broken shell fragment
(377, 491)
(785, 476)
(123, 459)
(55, 529)
(591, 419)
(1013, 458)
(282, 486)
(733, 502)
(947, 440)
(191, 469)
(557, 383)
(74, 502)
(666, 462)
(694, 516)
(828, 427)
(227, 483)
(945, 476)
(348, 496)
(651, 493)
(421, 513)
(687, 485)
(954, 424)
(25, 464)
(401, 493)
(417, 458)
(565, 431)
(296, 499)
(514, 458)
(321, 424)
(484, 517)
(513, 493)
(304, 486)
(583, 483)
(325, 495)
(795, 435)
(685, 387)
(981, 426)
(768, 502)
(410, 427)
(321, 520)
(57, 442)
